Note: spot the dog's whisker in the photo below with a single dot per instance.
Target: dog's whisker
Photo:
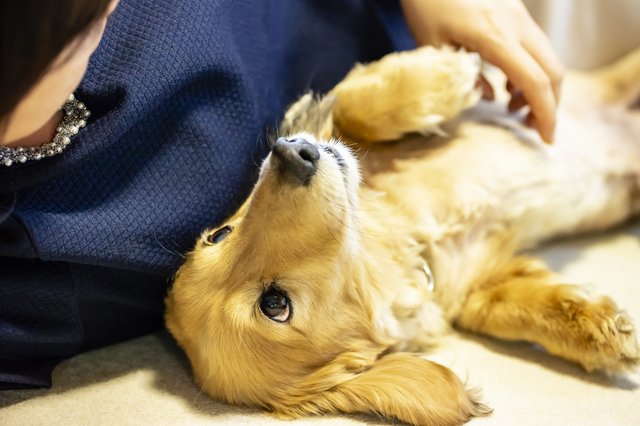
(174, 252)
(368, 200)
(361, 231)
(365, 155)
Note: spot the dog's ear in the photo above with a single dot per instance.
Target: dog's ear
(406, 387)
(311, 114)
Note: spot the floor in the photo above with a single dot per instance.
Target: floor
(147, 380)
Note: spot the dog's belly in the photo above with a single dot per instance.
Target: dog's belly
(486, 190)
(492, 175)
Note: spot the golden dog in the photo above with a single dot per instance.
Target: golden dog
(341, 262)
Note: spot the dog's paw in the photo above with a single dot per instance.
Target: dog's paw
(600, 336)
(406, 92)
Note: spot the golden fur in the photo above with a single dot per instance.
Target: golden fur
(350, 249)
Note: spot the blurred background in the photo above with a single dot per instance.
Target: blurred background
(589, 33)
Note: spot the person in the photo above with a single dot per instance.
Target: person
(161, 138)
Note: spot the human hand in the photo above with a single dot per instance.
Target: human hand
(504, 34)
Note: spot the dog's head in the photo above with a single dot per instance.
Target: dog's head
(277, 307)
(265, 301)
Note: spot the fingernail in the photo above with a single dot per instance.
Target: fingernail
(550, 138)
(547, 137)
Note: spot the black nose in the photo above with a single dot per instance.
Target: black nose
(297, 159)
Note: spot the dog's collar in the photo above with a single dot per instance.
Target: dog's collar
(431, 282)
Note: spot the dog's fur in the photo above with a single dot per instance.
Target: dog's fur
(350, 249)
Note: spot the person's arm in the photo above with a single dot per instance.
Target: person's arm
(504, 34)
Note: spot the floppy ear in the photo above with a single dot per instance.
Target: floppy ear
(404, 386)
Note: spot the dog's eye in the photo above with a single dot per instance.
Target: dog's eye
(275, 305)
(218, 236)
(329, 150)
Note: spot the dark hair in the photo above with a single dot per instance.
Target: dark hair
(32, 35)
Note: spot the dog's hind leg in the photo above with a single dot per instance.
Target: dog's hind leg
(523, 302)
(405, 92)
(621, 80)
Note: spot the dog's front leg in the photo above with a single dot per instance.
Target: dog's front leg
(403, 93)
(522, 302)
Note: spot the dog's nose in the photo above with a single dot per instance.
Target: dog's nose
(297, 159)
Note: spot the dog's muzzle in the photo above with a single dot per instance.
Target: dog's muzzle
(297, 159)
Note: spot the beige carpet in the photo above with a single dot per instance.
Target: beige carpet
(146, 381)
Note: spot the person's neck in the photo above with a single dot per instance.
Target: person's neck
(41, 136)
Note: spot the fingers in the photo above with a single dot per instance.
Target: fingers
(526, 74)
(531, 121)
(517, 101)
(504, 34)
(486, 88)
(517, 98)
(538, 45)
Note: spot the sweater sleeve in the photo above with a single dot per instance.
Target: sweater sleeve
(392, 17)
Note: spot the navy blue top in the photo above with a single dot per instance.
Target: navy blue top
(181, 93)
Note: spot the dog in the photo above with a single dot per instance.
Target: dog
(394, 208)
